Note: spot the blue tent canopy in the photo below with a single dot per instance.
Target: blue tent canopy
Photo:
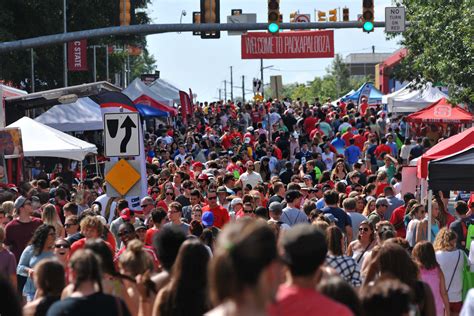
(147, 111)
(375, 96)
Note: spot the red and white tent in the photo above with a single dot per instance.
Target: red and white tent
(441, 112)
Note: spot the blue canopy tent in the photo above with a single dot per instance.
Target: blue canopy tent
(147, 111)
(375, 96)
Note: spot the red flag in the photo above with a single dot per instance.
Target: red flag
(185, 105)
(77, 55)
(192, 101)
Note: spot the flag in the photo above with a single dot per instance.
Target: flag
(117, 102)
(192, 101)
(185, 106)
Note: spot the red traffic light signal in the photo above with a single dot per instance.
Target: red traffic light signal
(368, 10)
(345, 14)
(210, 13)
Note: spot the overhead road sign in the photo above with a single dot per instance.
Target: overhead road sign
(239, 19)
(394, 19)
(122, 138)
(303, 44)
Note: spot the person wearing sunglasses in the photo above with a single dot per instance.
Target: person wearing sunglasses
(185, 197)
(363, 244)
(61, 250)
(221, 216)
(166, 198)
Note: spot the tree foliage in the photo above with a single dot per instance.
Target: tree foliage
(21, 19)
(440, 45)
(334, 84)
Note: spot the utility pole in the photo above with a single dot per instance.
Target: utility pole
(32, 57)
(94, 71)
(261, 77)
(220, 94)
(107, 63)
(231, 85)
(65, 43)
(243, 90)
(225, 91)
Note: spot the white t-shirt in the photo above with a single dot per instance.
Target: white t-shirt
(250, 178)
(447, 261)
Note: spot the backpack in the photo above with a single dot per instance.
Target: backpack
(469, 236)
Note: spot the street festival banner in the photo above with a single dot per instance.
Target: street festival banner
(302, 44)
(77, 55)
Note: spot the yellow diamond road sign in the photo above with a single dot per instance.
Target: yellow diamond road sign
(122, 177)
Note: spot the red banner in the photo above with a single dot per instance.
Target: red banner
(77, 55)
(304, 44)
(185, 106)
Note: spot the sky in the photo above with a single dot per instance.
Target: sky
(188, 61)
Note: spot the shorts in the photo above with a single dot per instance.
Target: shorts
(455, 307)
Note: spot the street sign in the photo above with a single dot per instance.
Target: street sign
(257, 86)
(241, 18)
(122, 136)
(394, 19)
(276, 84)
(301, 44)
(122, 178)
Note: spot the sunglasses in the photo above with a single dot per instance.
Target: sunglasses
(123, 233)
(212, 197)
(63, 246)
(247, 212)
(363, 229)
(170, 194)
(144, 205)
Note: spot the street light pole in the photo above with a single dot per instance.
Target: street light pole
(94, 72)
(225, 91)
(243, 90)
(231, 85)
(261, 77)
(32, 56)
(65, 44)
(107, 63)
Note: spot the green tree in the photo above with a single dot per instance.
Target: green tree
(21, 19)
(440, 45)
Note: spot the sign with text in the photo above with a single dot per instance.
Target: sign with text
(394, 19)
(303, 44)
(77, 55)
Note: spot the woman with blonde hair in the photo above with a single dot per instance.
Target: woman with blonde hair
(451, 261)
(339, 172)
(369, 207)
(50, 217)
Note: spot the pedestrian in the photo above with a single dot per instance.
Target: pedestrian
(49, 279)
(188, 283)
(40, 247)
(88, 297)
(358, 249)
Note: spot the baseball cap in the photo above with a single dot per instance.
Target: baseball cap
(275, 207)
(307, 176)
(381, 201)
(197, 164)
(139, 225)
(20, 201)
(250, 129)
(207, 219)
(222, 189)
(331, 217)
(126, 214)
(236, 201)
(203, 176)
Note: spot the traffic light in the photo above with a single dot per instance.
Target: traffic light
(210, 13)
(274, 16)
(333, 15)
(345, 14)
(368, 15)
(293, 17)
(125, 12)
(321, 16)
(196, 20)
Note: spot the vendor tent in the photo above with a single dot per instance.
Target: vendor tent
(454, 172)
(441, 112)
(444, 148)
(410, 99)
(140, 93)
(82, 115)
(342, 98)
(43, 141)
(165, 90)
(375, 96)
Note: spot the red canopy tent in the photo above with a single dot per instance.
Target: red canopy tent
(441, 112)
(444, 148)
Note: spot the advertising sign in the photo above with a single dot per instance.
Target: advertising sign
(77, 55)
(302, 44)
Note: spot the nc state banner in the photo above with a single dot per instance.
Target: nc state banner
(302, 44)
(77, 55)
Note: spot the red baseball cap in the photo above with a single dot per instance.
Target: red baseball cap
(197, 164)
(203, 176)
(126, 214)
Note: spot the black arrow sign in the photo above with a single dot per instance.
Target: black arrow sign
(128, 125)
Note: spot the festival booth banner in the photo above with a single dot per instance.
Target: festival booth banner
(10, 143)
(298, 44)
(77, 55)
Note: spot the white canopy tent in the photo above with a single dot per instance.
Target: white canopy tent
(409, 100)
(43, 141)
(165, 90)
(82, 115)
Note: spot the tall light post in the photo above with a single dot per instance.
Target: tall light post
(65, 44)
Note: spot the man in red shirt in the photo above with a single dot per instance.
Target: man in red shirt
(382, 148)
(91, 228)
(305, 251)
(221, 216)
(360, 139)
(398, 216)
(347, 136)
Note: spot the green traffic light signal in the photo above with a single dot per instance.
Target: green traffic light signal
(368, 26)
(273, 27)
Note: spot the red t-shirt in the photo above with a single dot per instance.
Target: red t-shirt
(359, 141)
(149, 236)
(81, 243)
(363, 108)
(221, 216)
(382, 148)
(309, 123)
(18, 234)
(297, 301)
(347, 136)
(397, 217)
(380, 187)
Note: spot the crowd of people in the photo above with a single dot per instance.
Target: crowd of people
(273, 208)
